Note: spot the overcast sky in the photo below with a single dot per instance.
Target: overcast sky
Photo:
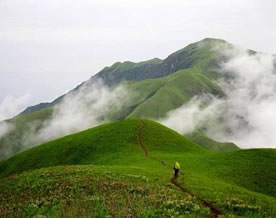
(49, 47)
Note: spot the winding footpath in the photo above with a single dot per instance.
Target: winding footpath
(215, 212)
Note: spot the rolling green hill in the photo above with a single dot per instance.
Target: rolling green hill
(90, 168)
(108, 144)
(210, 144)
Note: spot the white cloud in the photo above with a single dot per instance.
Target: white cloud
(11, 106)
(87, 107)
(247, 115)
(191, 115)
(5, 127)
(92, 104)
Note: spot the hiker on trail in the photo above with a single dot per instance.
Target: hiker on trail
(176, 168)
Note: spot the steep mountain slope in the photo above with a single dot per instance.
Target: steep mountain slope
(195, 55)
(178, 89)
(153, 98)
(240, 183)
(200, 56)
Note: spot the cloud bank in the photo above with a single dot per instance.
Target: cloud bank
(5, 127)
(87, 107)
(247, 115)
(11, 106)
(91, 104)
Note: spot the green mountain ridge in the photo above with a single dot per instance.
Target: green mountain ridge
(185, 58)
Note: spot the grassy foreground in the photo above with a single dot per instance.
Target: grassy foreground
(103, 172)
(93, 191)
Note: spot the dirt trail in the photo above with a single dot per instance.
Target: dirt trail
(140, 138)
(215, 212)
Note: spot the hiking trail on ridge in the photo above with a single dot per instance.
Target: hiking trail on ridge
(215, 212)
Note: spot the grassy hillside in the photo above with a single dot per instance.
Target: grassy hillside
(108, 144)
(93, 191)
(210, 144)
(253, 168)
(240, 183)
(176, 90)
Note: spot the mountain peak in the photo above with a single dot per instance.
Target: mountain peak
(184, 58)
(212, 40)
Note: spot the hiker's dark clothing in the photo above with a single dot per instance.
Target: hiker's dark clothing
(176, 171)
